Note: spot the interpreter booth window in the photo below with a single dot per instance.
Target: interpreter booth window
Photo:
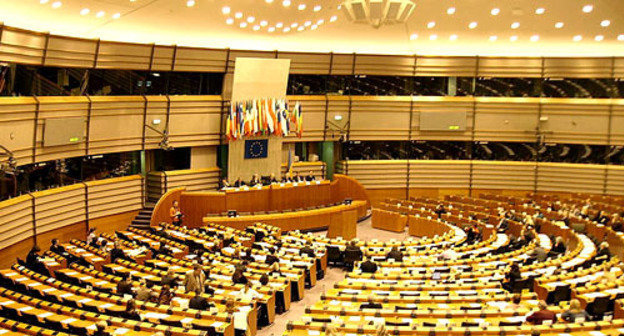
(40, 81)
(507, 87)
(504, 151)
(300, 85)
(174, 159)
(580, 88)
(115, 82)
(572, 153)
(615, 155)
(439, 150)
(375, 150)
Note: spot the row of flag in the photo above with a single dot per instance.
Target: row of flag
(261, 117)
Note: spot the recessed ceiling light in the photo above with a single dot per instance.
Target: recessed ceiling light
(472, 25)
(317, 8)
(515, 25)
(85, 11)
(43, 2)
(450, 11)
(226, 10)
(301, 7)
(599, 38)
(453, 37)
(605, 23)
(559, 25)
(116, 16)
(621, 37)
(286, 3)
(588, 8)
(243, 24)
(333, 18)
(279, 25)
(540, 11)
(251, 19)
(513, 38)
(271, 29)
(264, 23)
(294, 25)
(314, 27)
(320, 22)
(301, 28)
(269, 1)
(413, 37)
(229, 21)
(307, 23)
(57, 4)
(534, 38)
(256, 27)
(286, 30)
(238, 15)
(431, 24)
(493, 38)
(100, 14)
(495, 11)
(190, 3)
(433, 37)
(577, 38)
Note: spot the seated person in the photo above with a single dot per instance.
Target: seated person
(224, 183)
(248, 255)
(575, 312)
(371, 304)
(272, 179)
(543, 314)
(169, 279)
(440, 210)
(264, 279)
(125, 286)
(603, 250)
(145, 292)
(296, 177)
(514, 274)
(33, 258)
(100, 329)
(601, 218)
(91, 237)
(559, 246)
(539, 253)
(56, 248)
(310, 176)
(255, 181)
(368, 266)
(131, 312)
(248, 293)
(286, 178)
(271, 258)
(199, 302)
(238, 277)
(239, 183)
(165, 296)
(308, 250)
(117, 252)
(395, 254)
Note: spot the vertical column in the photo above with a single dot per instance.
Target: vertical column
(327, 156)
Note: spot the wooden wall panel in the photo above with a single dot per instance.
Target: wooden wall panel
(376, 174)
(60, 207)
(234, 54)
(70, 52)
(578, 67)
(579, 121)
(162, 60)
(113, 196)
(615, 180)
(196, 59)
(117, 55)
(384, 65)
(307, 63)
(498, 120)
(446, 66)
(617, 122)
(313, 110)
(380, 118)
(439, 174)
(16, 220)
(17, 126)
(506, 67)
(116, 124)
(21, 46)
(54, 108)
(442, 104)
(503, 175)
(342, 64)
(337, 106)
(304, 168)
(194, 120)
(193, 179)
(618, 67)
(584, 178)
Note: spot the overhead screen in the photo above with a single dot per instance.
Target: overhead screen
(443, 121)
(63, 131)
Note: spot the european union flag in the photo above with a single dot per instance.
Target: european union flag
(256, 149)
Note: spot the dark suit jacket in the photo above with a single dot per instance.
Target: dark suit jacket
(117, 253)
(271, 259)
(166, 280)
(542, 315)
(370, 305)
(396, 255)
(368, 267)
(199, 303)
(307, 251)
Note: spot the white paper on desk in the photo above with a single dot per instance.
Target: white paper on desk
(158, 316)
(240, 320)
(106, 305)
(25, 309)
(314, 332)
(4, 303)
(44, 315)
(85, 300)
(68, 321)
(67, 295)
(120, 331)
(217, 325)
(354, 318)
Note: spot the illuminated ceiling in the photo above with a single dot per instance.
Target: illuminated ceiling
(437, 27)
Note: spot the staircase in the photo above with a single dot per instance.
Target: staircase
(142, 220)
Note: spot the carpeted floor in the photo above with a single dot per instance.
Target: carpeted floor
(333, 275)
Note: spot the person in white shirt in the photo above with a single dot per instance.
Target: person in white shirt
(248, 293)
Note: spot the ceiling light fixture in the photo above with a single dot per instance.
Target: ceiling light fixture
(301, 7)
(85, 11)
(286, 30)
(540, 11)
(472, 25)
(431, 24)
(238, 15)
(513, 38)
(333, 18)
(190, 3)
(256, 27)
(515, 25)
(453, 37)
(320, 22)
(534, 38)
(379, 12)
(577, 38)
(286, 3)
(599, 38)
(588, 8)
(620, 37)
(559, 25)
(495, 11)
(251, 19)
(100, 14)
(57, 4)
(116, 16)
(279, 25)
(226, 10)
(301, 28)
(605, 23)
(317, 8)
(433, 37)
(229, 21)
(264, 23)
(43, 2)
(243, 24)
(314, 27)
(268, 1)
(271, 29)
(450, 11)
(493, 38)
(413, 37)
